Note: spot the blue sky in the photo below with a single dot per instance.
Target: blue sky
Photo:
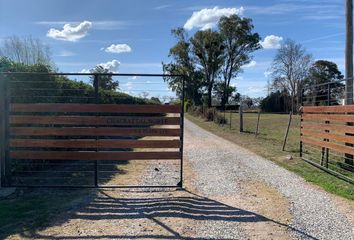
(136, 33)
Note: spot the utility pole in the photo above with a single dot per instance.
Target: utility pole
(349, 52)
(349, 66)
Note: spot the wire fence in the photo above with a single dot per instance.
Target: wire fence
(326, 133)
(58, 88)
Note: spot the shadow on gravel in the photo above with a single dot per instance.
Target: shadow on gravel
(157, 209)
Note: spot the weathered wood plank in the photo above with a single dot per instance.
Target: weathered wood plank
(331, 127)
(328, 109)
(327, 117)
(102, 143)
(85, 131)
(94, 120)
(94, 108)
(333, 146)
(57, 155)
(329, 136)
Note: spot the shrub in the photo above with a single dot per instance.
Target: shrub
(209, 114)
(220, 119)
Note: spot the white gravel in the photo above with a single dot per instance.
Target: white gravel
(221, 166)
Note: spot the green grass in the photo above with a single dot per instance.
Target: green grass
(269, 145)
(26, 212)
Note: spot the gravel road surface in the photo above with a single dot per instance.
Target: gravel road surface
(222, 167)
(231, 193)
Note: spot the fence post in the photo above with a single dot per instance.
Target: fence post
(180, 184)
(302, 105)
(241, 118)
(230, 118)
(328, 94)
(4, 132)
(97, 101)
(287, 131)
(259, 114)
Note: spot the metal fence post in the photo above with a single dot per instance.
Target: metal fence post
(4, 132)
(241, 118)
(180, 184)
(97, 101)
(328, 95)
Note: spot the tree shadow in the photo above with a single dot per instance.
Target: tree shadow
(159, 210)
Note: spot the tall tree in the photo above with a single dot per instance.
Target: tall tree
(239, 42)
(26, 50)
(290, 68)
(322, 72)
(207, 47)
(105, 82)
(183, 64)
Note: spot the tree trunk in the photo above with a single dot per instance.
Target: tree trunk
(209, 96)
(292, 102)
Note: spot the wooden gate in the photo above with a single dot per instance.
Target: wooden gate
(85, 144)
(327, 138)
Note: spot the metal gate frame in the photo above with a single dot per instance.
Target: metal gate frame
(5, 160)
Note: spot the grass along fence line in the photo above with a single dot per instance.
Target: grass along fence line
(269, 142)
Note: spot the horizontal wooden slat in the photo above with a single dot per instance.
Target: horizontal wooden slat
(102, 143)
(56, 155)
(330, 127)
(327, 117)
(333, 146)
(329, 109)
(94, 108)
(94, 120)
(330, 136)
(66, 131)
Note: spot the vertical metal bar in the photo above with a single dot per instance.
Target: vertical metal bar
(241, 118)
(7, 133)
(97, 101)
(302, 105)
(2, 130)
(322, 156)
(230, 117)
(327, 154)
(328, 94)
(180, 184)
(327, 150)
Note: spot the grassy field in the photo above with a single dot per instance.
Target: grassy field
(269, 145)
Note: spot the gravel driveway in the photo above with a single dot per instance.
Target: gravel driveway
(231, 193)
(223, 167)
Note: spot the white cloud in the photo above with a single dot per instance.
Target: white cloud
(128, 85)
(271, 42)
(208, 17)
(100, 25)
(161, 7)
(70, 32)
(66, 53)
(111, 66)
(118, 48)
(267, 73)
(250, 64)
(85, 71)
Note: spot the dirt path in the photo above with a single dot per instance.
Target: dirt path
(230, 193)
